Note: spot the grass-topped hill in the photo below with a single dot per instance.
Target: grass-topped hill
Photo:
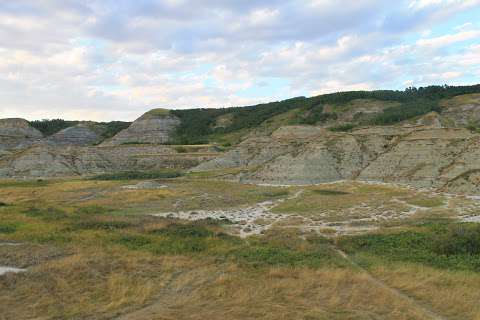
(335, 110)
(156, 113)
(202, 125)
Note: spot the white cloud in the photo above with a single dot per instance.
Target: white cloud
(448, 39)
(105, 59)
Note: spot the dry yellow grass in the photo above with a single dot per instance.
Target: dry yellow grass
(93, 282)
(283, 293)
(181, 194)
(355, 193)
(95, 276)
(454, 294)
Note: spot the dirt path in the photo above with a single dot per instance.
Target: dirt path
(425, 309)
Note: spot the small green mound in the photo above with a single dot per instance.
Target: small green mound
(156, 113)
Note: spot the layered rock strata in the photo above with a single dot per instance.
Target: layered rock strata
(420, 156)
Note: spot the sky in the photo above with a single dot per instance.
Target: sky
(115, 59)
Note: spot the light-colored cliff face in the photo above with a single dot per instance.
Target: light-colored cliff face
(443, 158)
(14, 132)
(79, 135)
(461, 110)
(46, 160)
(154, 127)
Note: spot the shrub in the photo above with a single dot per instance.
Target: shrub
(329, 192)
(459, 239)
(134, 242)
(342, 127)
(7, 228)
(275, 193)
(184, 230)
(181, 149)
(436, 245)
(406, 111)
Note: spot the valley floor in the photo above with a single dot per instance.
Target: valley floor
(198, 248)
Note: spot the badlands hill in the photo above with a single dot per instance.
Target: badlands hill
(424, 137)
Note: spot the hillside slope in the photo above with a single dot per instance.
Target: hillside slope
(338, 111)
(422, 137)
(154, 127)
(420, 156)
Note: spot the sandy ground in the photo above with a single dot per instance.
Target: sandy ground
(254, 220)
(4, 270)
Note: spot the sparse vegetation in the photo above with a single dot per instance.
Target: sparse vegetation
(181, 149)
(427, 202)
(437, 245)
(24, 183)
(326, 192)
(275, 193)
(99, 225)
(137, 175)
(342, 127)
(116, 258)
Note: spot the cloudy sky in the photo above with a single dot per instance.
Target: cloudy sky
(114, 59)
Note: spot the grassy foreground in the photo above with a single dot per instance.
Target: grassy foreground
(93, 252)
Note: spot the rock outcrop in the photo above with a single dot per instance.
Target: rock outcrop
(461, 111)
(79, 135)
(154, 127)
(421, 156)
(16, 132)
(433, 150)
(45, 160)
